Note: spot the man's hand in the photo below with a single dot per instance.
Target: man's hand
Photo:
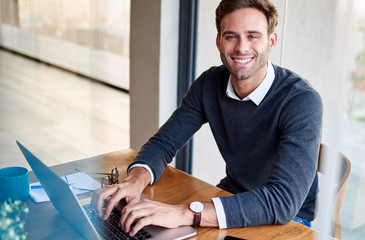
(148, 212)
(135, 216)
(130, 189)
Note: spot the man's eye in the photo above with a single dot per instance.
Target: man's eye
(230, 37)
(252, 37)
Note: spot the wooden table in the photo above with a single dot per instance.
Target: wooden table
(174, 187)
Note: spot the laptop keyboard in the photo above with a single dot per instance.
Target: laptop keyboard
(109, 229)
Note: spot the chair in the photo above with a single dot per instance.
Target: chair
(345, 169)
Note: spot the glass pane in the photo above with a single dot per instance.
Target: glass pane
(353, 141)
(87, 37)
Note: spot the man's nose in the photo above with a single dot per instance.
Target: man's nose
(242, 45)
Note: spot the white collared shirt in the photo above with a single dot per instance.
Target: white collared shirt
(256, 96)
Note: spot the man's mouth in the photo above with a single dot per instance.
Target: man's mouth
(242, 60)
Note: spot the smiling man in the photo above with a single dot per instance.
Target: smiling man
(266, 121)
(244, 44)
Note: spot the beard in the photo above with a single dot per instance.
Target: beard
(243, 73)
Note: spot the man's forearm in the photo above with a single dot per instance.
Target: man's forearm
(209, 216)
(186, 216)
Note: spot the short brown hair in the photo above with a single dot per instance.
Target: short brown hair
(265, 6)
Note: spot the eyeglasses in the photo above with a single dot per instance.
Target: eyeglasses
(110, 178)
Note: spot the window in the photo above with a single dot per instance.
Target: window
(88, 37)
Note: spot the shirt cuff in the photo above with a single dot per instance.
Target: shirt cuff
(144, 166)
(221, 215)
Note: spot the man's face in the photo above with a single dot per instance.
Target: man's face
(244, 44)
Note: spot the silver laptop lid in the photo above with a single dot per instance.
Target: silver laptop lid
(68, 205)
(61, 196)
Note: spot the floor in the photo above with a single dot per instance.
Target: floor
(62, 117)
(58, 115)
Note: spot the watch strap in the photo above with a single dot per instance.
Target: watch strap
(197, 219)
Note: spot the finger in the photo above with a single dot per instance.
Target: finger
(125, 215)
(141, 223)
(101, 196)
(132, 213)
(109, 207)
(132, 200)
(118, 194)
(97, 201)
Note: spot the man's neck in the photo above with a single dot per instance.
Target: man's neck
(243, 88)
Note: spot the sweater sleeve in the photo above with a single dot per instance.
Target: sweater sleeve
(179, 128)
(293, 171)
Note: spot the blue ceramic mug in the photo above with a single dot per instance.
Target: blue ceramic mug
(14, 183)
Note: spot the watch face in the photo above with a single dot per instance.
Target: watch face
(196, 206)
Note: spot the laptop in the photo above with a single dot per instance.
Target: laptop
(77, 214)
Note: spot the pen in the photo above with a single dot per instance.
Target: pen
(40, 186)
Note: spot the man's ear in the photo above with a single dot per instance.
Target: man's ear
(217, 41)
(273, 40)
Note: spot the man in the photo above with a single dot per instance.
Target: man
(266, 121)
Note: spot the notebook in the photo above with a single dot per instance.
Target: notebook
(80, 217)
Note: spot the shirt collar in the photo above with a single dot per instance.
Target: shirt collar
(260, 92)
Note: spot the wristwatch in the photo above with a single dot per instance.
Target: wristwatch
(197, 208)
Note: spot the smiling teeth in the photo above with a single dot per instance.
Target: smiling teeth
(242, 60)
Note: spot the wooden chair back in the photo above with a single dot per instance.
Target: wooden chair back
(345, 169)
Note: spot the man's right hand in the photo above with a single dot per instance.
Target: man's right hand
(130, 189)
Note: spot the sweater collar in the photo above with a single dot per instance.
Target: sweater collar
(260, 92)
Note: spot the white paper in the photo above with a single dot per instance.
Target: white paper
(79, 183)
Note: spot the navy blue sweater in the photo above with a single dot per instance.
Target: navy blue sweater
(270, 150)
